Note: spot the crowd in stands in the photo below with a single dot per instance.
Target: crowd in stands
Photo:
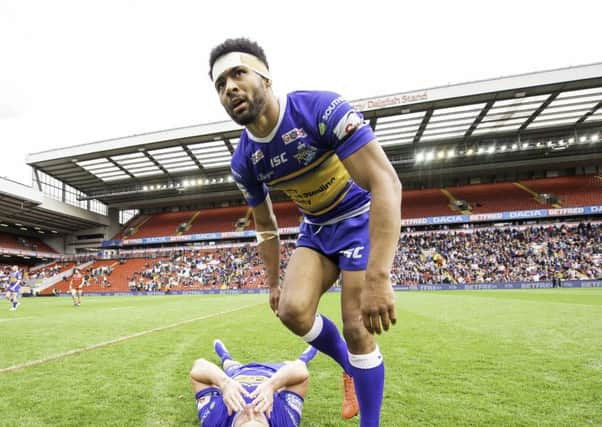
(505, 254)
(47, 272)
(492, 254)
(467, 255)
(234, 268)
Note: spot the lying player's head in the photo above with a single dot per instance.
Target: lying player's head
(241, 75)
(249, 418)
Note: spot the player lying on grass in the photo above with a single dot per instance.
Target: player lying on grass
(253, 394)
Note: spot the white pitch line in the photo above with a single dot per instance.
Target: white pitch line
(16, 318)
(115, 341)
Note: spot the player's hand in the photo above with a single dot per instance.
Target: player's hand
(232, 393)
(263, 398)
(274, 298)
(377, 305)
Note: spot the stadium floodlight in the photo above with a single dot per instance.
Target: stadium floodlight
(419, 157)
(221, 180)
(185, 183)
(491, 149)
(152, 187)
(230, 178)
(549, 143)
(583, 138)
(3, 225)
(525, 145)
(503, 148)
(451, 153)
(199, 181)
(145, 188)
(595, 137)
(571, 140)
(213, 180)
(481, 150)
(514, 146)
(54, 231)
(470, 152)
(441, 154)
(429, 156)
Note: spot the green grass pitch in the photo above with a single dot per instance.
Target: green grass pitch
(479, 358)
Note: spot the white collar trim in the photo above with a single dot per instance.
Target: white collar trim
(270, 136)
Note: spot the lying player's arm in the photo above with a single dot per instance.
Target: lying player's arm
(205, 374)
(291, 376)
(268, 246)
(371, 169)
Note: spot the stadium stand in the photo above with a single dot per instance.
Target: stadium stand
(11, 241)
(571, 191)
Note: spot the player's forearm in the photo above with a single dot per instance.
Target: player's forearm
(385, 224)
(269, 250)
(206, 372)
(288, 375)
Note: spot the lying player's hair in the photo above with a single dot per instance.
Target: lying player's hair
(241, 44)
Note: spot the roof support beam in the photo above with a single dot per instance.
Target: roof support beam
(589, 113)
(155, 162)
(537, 112)
(194, 159)
(229, 145)
(422, 127)
(37, 178)
(124, 170)
(373, 123)
(479, 119)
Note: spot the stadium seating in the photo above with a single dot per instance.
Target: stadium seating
(11, 241)
(164, 224)
(424, 203)
(499, 197)
(572, 191)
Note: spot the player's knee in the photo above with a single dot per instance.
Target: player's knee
(295, 316)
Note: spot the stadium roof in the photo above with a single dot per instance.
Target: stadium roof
(542, 119)
(24, 210)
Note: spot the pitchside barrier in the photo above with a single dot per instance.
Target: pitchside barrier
(400, 288)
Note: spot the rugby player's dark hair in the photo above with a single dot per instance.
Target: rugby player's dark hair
(241, 44)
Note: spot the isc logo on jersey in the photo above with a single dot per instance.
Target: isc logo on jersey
(347, 125)
(278, 160)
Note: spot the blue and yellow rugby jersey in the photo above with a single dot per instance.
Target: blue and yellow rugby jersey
(14, 281)
(286, 410)
(302, 157)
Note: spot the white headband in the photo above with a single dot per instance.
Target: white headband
(237, 59)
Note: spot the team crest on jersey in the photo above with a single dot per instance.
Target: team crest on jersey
(305, 153)
(256, 156)
(293, 135)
